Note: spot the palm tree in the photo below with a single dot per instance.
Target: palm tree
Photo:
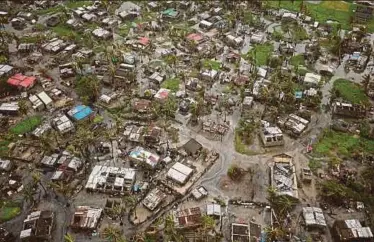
(23, 107)
(83, 139)
(117, 211)
(365, 81)
(37, 179)
(195, 112)
(274, 233)
(61, 188)
(69, 238)
(28, 194)
(113, 234)
(208, 222)
(130, 201)
(170, 231)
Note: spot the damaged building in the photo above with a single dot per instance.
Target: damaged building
(283, 176)
(110, 179)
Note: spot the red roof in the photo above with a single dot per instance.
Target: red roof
(13, 82)
(20, 80)
(164, 94)
(195, 37)
(144, 40)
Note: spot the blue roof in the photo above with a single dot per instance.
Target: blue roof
(298, 94)
(80, 112)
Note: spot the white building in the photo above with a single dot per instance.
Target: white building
(49, 161)
(5, 70)
(63, 124)
(110, 179)
(205, 24)
(271, 136)
(11, 108)
(154, 199)
(180, 173)
(37, 104)
(139, 154)
(314, 217)
(89, 17)
(296, 123)
(86, 217)
(101, 33)
(247, 103)
(312, 79)
(39, 131)
(209, 75)
(54, 45)
(6, 165)
(213, 209)
(47, 101)
(257, 38)
(236, 41)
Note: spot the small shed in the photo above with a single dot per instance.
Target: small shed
(192, 147)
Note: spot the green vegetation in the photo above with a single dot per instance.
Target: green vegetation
(98, 119)
(335, 192)
(8, 211)
(235, 172)
(241, 147)
(350, 91)
(171, 84)
(343, 144)
(27, 125)
(299, 33)
(339, 11)
(370, 26)
(277, 35)
(33, 39)
(212, 64)
(297, 60)
(314, 165)
(88, 88)
(124, 29)
(260, 54)
(40, 27)
(302, 70)
(4, 146)
(63, 30)
(3, 59)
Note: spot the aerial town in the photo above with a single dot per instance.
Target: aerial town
(186, 121)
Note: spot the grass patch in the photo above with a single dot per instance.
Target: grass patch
(124, 29)
(326, 10)
(314, 165)
(171, 84)
(98, 119)
(343, 144)
(64, 30)
(33, 39)
(337, 5)
(297, 60)
(260, 53)
(350, 91)
(370, 26)
(212, 64)
(299, 33)
(240, 147)
(8, 211)
(4, 146)
(26, 125)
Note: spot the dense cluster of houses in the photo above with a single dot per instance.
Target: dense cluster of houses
(153, 62)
